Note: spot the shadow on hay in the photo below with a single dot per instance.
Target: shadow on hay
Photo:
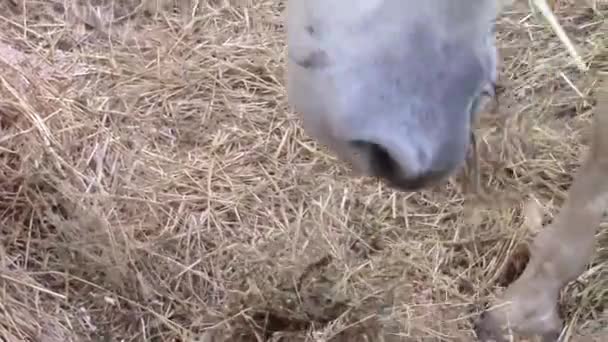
(290, 314)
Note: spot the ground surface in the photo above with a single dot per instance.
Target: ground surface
(155, 187)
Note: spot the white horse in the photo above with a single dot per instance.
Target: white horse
(393, 87)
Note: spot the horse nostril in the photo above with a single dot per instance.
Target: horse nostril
(380, 161)
(381, 164)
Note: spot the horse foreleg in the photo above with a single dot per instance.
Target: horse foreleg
(560, 252)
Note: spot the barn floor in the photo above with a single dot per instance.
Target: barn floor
(155, 187)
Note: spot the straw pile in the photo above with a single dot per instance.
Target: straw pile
(154, 185)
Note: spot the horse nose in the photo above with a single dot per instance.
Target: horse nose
(404, 170)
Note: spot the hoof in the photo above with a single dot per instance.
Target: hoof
(489, 329)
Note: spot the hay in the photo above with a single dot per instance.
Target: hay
(154, 185)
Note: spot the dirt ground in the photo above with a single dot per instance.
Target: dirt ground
(154, 185)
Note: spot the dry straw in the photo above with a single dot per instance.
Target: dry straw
(155, 187)
(543, 7)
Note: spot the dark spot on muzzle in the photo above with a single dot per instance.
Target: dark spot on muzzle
(311, 30)
(315, 60)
